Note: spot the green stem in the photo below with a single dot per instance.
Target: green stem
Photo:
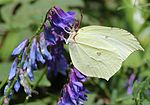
(42, 24)
(36, 84)
(40, 78)
(38, 31)
(10, 89)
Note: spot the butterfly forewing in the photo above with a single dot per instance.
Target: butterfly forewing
(99, 51)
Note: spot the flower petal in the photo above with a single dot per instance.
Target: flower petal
(13, 69)
(30, 71)
(20, 47)
(23, 55)
(32, 54)
(48, 35)
(17, 86)
(43, 47)
(62, 19)
(39, 56)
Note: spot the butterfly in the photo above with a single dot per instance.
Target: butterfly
(99, 51)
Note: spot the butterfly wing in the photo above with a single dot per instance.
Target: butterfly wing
(99, 51)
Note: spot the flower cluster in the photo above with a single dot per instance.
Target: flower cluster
(47, 48)
(74, 93)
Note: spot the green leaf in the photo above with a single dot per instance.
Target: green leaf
(145, 102)
(4, 69)
(134, 60)
(123, 98)
(30, 14)
(3, 28)
(144, 37)
(7, 1)
(134, 14)
(12, 40)
(147, 54)
(64, 4)
(91, 98)
(145, 73)
(26, 14)
(87, 19)
(7, 12)
(21, 19)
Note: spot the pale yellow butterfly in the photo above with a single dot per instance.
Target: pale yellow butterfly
(98, 51)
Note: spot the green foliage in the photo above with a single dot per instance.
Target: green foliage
(20, 18)
(4, 69)
(43, 81)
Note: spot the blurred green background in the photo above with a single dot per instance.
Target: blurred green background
(19, 19)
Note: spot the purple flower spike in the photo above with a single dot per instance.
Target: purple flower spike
(43, 47)
(19, 48)
(74, 93)
(17, 86)
(39, 56)
(13, 69)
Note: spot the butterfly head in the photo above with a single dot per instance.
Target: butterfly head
(71, 38)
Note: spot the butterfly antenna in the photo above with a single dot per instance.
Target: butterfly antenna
(80, 21)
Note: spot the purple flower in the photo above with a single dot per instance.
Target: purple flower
(49, 36)
(74, 93)
(61, 23)
(24, 54)
(7, 99)
(30, 70)
(64, 20)
(130, 83)
(19, 48)
(33, 54)
(25, 64)
(148, 92)
(6, 88)
(48, 48)
(58, 62)
(17, 86)
(65, 99)
(24, 83)
(43, 47)
(13, 69)
(39, 56)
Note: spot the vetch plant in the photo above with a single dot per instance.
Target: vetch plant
(95, 51)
